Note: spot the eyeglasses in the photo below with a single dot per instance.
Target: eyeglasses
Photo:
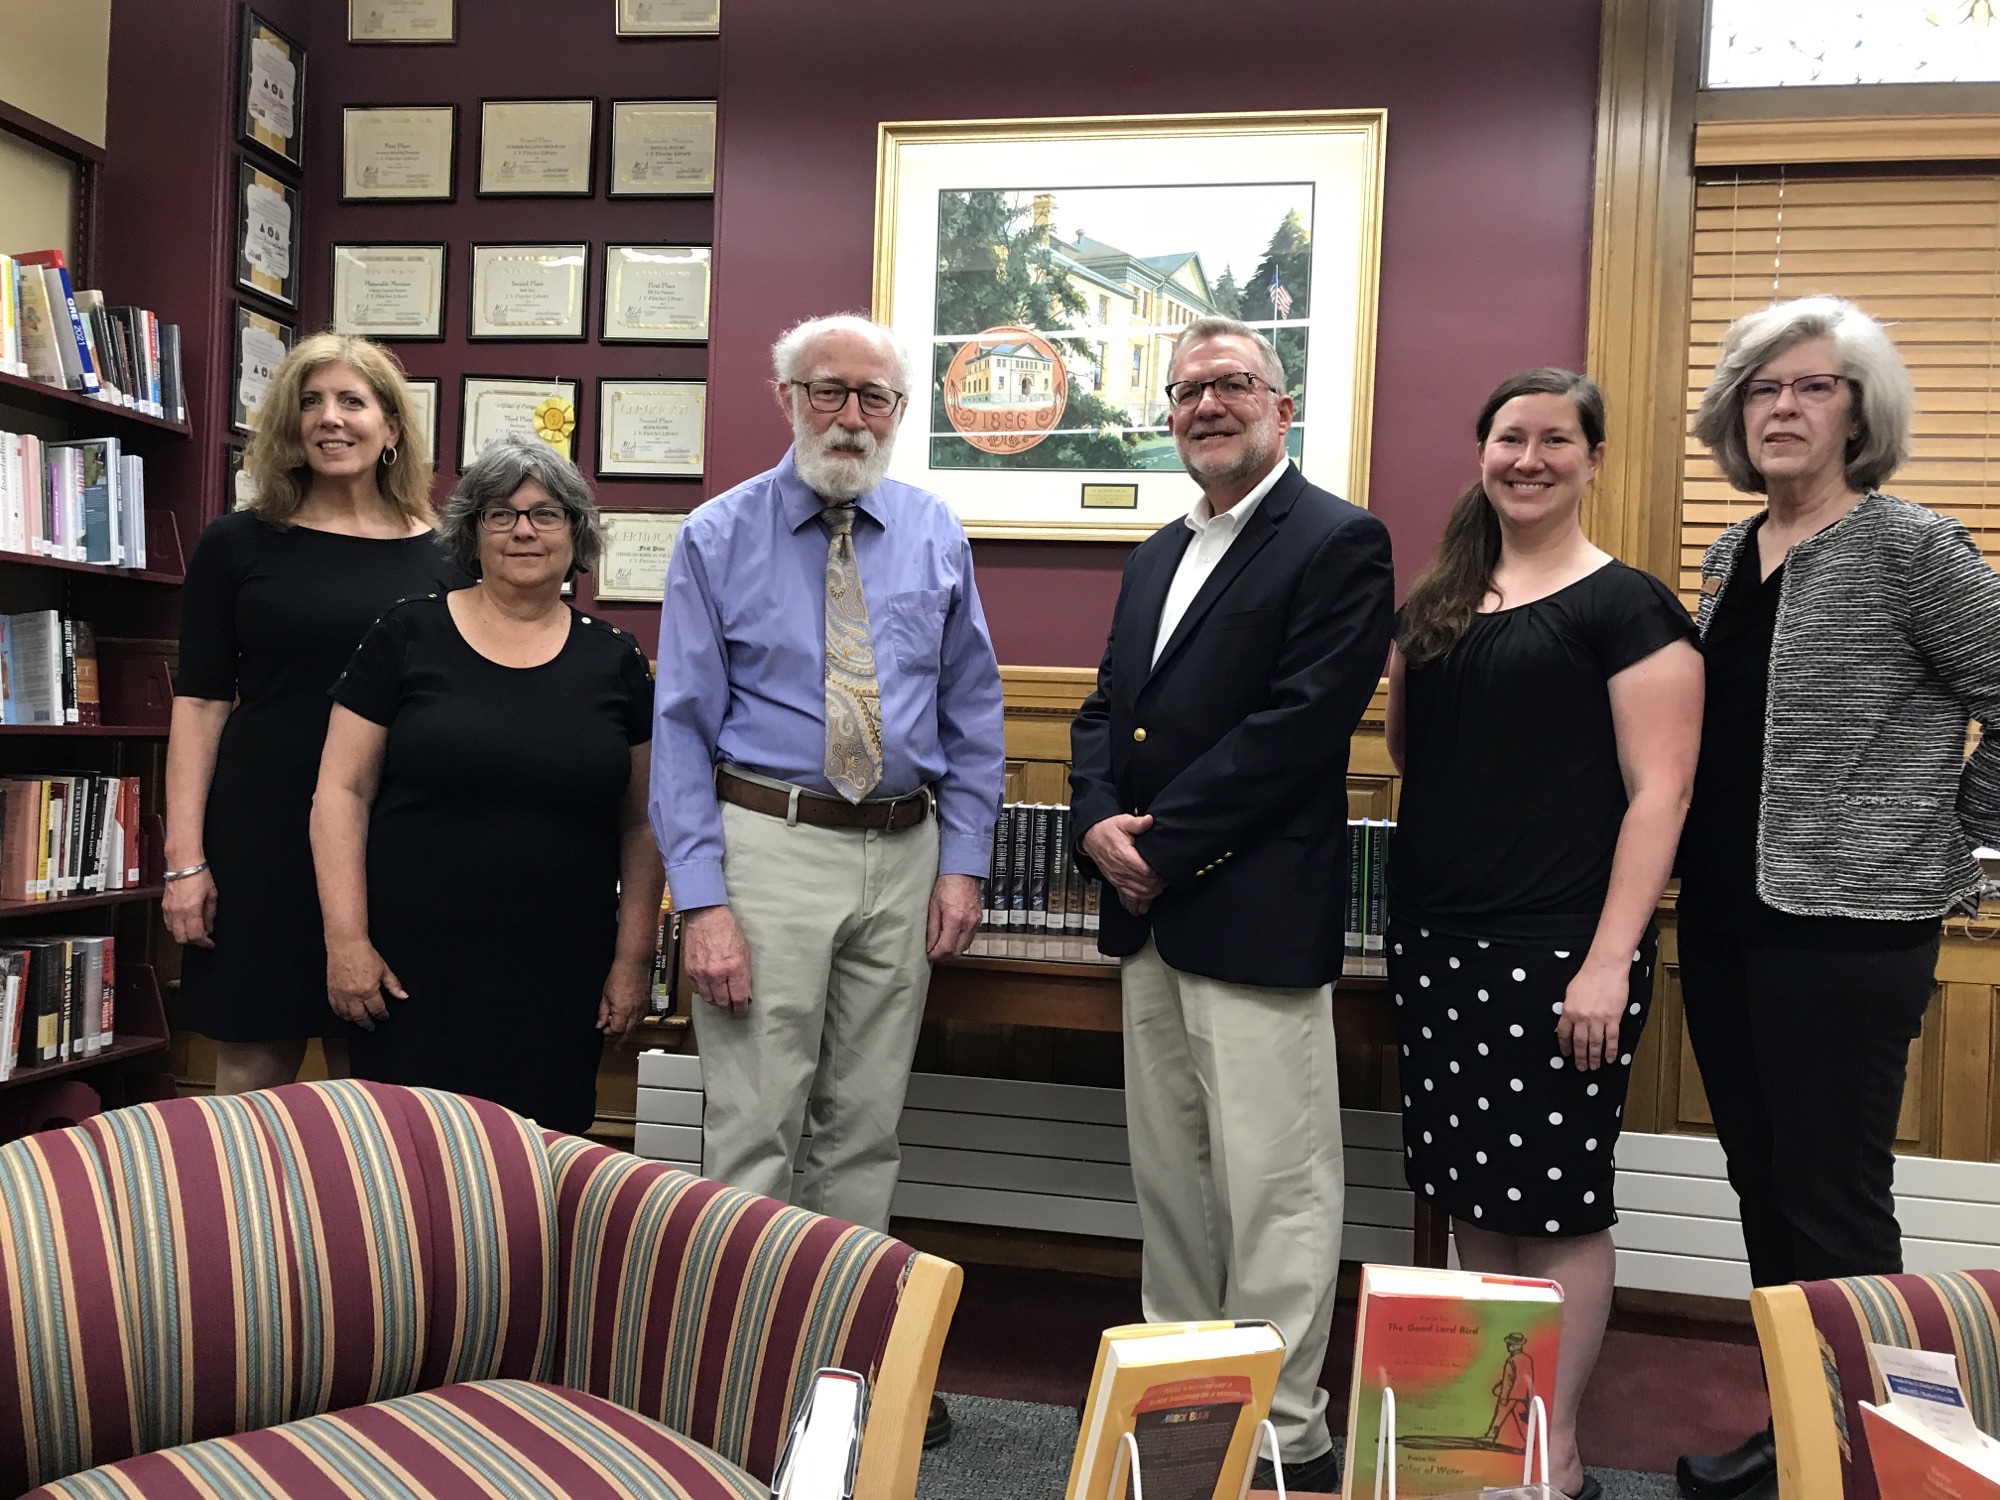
(506, 517)
(831, 396)
(1810, 389)
(1236, 386)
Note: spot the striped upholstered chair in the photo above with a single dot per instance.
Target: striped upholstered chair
(353, 1289)
(1815, 1337)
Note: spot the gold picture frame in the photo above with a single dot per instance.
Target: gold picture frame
(1034, 391)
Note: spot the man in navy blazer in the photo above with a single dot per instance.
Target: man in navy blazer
(1209, 783)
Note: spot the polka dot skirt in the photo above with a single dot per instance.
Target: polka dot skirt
(1499, 1128)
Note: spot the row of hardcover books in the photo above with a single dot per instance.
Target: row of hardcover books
(1035, 887)
(82, 501)
(54, 333)
(48, 670)
(1368, 842)
(57, 1000)
(68, 835)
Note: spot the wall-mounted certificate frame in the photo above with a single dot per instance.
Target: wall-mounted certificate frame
(662, 148)
(404, 153)
(421, 421)
(638, 545)
(669, 17)
(528, 291)
(537, 148)
(655, 294)
(238, 489)
(271, 89)
(404, 21)
(267, 235)
(650, 429)
(260, 346)
(489, 405)
(389, 291)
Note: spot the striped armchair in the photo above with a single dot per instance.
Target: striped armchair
(349, 1288)
(1815, 1337)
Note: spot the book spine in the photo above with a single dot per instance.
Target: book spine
(10, 999)
(1058, 868)
(62, 299)
(1020, 822)
(1357, 895)
(132, 870)
(11, 359)
(996, 874)
(1038, 867)
(1378, 904)
(48, 1003)
(107, 982)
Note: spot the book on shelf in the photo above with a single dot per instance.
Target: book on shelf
(68, 834)
(82, 500)
(663, 990)
(1466, 1355)
(58, 1000)
(48, 670)
(70, 337)
(1366, 916)
(66, 322)
(1035, 890)
(1190, 1395)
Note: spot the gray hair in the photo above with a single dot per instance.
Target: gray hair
(788, 355)
(503, 466)
(1218, 327)
(1884, 401)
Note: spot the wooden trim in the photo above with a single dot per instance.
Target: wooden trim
(892, 1446)
(34, 128)
(1801, 1409)
(1747, 143)
(1641, 241)
(1845, 101)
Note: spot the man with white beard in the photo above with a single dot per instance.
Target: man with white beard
(827, 768)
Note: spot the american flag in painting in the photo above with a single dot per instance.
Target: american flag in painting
(1281, 300)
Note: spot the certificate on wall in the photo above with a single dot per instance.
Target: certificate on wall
(420, 424)
(490, 405)
(650, 429)
(655, 294)
(402, 153)
(528, 291)
(267, 235)
(401, 21)
(271, 90)
(537, 146)
(669, 17)
(389, 291)
(662, 148)
(638, 545)
(261, 346)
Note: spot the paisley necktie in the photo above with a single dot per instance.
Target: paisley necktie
(853, 696)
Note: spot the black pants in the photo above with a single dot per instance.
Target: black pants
(1803, 1053)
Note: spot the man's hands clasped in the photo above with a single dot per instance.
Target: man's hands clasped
(1110, 844)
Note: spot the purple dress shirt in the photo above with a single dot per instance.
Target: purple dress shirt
(742, 667)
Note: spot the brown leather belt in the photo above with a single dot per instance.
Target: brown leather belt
(822, 811)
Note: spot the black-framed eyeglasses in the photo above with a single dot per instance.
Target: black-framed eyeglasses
(1810, 389)
(1235, 386)
(830, 396)
(507, 517)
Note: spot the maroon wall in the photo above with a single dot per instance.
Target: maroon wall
(1486, 239)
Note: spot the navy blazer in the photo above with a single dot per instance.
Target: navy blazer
(1236, 741)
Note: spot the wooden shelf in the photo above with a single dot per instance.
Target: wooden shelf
(23, 394)
(120, 1049)
(98, 570)
(78, 903)
(99, 731)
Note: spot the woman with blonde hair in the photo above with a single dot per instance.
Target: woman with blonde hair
(278, 595)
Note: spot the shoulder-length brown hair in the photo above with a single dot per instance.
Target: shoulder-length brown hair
(1448, 592)
(276, 460)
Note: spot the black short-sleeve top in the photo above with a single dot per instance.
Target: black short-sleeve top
(1512, 793)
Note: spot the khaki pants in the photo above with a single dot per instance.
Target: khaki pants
(1232, 1106)
(835, 922)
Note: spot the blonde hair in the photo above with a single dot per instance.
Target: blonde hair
(276, 460)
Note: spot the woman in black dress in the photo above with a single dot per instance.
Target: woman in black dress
(277, 596)
(487, 873)
(1544, 709)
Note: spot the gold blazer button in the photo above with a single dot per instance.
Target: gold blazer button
(1139, 735)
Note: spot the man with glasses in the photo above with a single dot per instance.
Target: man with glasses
(1209, 780)
(827, 768)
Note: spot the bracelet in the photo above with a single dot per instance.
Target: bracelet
(193, 869)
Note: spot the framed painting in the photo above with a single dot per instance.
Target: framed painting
(1040, 272)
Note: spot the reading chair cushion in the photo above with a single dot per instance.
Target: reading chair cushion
(1957, 1313)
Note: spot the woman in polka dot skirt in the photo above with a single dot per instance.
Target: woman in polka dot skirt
(1545, 711)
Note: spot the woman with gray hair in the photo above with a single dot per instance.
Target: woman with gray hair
(487, 877)
(1849, 639)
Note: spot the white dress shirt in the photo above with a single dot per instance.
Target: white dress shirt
(1213, 537)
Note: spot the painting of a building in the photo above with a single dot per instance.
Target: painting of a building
(1008, 375)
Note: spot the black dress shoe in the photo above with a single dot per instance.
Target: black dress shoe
(1590, 1489)
(938, 1428)
(1313, 1476)
(1732, 1475)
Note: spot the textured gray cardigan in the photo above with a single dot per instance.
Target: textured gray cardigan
(1887, 645)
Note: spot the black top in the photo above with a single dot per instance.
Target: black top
(1718, 856)
(1512, 793)
(493, 855)
(269, 616)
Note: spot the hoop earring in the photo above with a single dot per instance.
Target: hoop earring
(389, 457)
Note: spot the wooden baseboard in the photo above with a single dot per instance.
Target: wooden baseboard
(1681, 1305)
(1026, 1249)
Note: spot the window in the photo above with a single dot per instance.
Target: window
(1803, 43)
(1103, 309)
(1138, 364)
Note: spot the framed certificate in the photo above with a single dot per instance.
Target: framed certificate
(669, 17)
(401, 21)
(490, 405)
(260, 347)
(398, 152)
(537, 147)
(421, 423)
(267, 235)
(638, 545)
(655, 294)
(391, 291)
(528, 291)
(662, 148)
(270, 111)
(650, 429)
